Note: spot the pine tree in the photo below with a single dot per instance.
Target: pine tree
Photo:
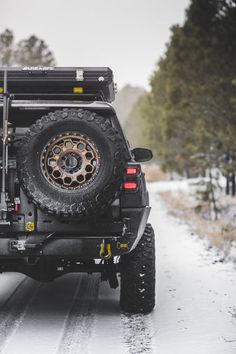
(29, 52)
(34, 52)
(6, 48)
(192, 106)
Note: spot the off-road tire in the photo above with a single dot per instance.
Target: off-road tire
(137, 293)
(90, 200)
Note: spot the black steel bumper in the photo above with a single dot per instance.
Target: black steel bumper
(74, 245)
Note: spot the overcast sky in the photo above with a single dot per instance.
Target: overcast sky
(127, 35)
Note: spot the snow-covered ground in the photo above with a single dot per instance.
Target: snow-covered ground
(195, 311)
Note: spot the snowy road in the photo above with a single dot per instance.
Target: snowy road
(195, 312)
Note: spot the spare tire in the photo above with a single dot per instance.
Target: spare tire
(70, 162)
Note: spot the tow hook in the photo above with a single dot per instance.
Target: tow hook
(105, 250)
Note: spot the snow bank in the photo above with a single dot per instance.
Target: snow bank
(184, 185)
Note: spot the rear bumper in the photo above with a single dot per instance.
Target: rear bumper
(123, 236)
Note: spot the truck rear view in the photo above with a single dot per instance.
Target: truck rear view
(73, 195)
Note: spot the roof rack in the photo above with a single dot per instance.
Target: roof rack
(77, 83)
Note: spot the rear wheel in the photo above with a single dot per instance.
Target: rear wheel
(138, 276)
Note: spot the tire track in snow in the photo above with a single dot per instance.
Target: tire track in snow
(12, 294)
(138, 333)
(79, 322)
(12, 312)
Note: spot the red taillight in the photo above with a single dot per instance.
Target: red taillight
(16, 204)
(131, 171)
(131, 178)
(130, 185)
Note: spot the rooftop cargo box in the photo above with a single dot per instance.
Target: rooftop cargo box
(79, 83)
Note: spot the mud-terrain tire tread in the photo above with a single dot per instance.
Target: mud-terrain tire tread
(137, 293)
(85, 207)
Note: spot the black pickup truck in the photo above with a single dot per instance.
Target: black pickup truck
(73, 195)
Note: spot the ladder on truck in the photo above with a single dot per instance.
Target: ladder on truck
(4, 167)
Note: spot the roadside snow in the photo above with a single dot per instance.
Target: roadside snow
(232, 252)
(196, 295)
(173, 186)
(184, 185)
(195, 311)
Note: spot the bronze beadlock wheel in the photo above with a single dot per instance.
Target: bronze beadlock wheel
(70, 161)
